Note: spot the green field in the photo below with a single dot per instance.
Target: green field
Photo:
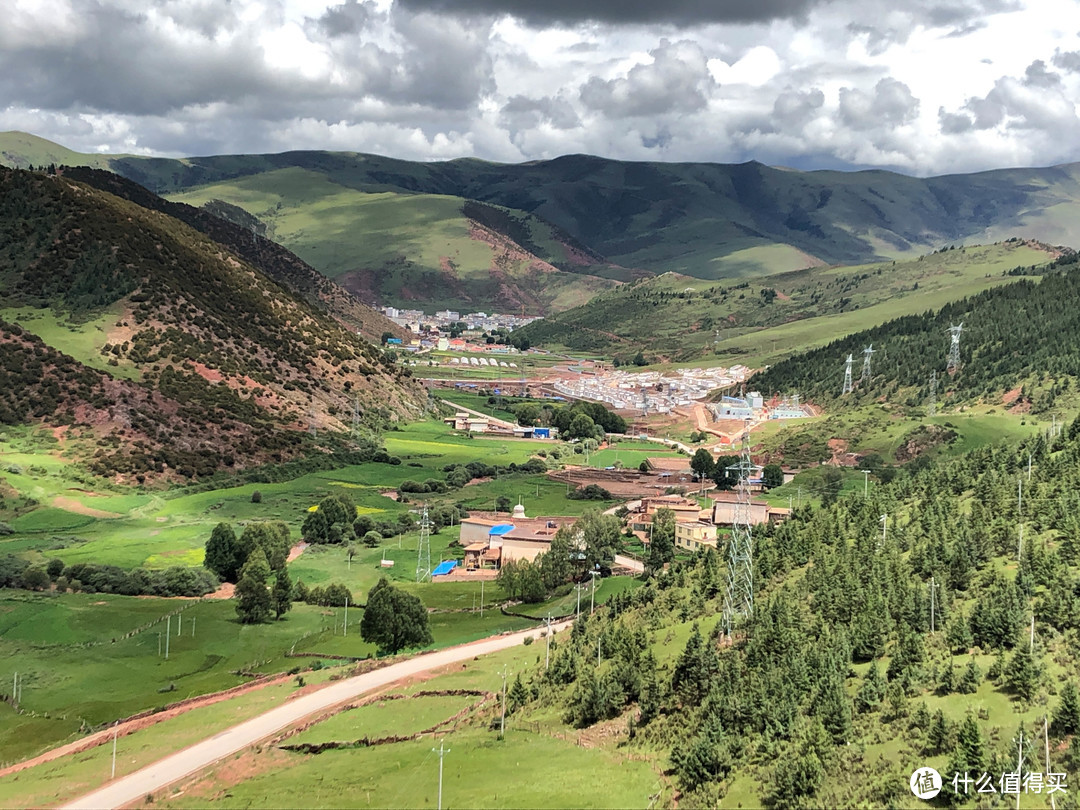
(560, 773)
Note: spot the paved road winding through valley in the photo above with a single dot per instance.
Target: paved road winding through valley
(166, 771)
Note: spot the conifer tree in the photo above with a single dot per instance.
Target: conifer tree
(1067, 714)
(282, 593)
(1022, 673)
(253, 603)
(872, 690)
(937, 735)
(969, 681)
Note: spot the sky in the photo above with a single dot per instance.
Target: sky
(919, 86)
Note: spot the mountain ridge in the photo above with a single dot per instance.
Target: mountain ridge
(351, 212)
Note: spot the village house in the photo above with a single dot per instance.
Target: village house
(492, 543)
(694, 536)
(724, 507)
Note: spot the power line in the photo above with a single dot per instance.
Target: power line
(423, 551)
(739, 598)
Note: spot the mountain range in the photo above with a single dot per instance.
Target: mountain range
(545, 236)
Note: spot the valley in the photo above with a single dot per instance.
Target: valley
(212, 452)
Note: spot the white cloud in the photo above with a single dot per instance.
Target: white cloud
(924, 86)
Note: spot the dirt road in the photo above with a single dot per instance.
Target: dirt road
(152, 778)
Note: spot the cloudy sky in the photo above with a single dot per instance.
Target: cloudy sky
(920, 86)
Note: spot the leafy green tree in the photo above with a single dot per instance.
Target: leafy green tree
(54, 568)
(600, 534)
(270, 536)
(316, 528)
(1067, 714)
(772, 476)
(253, 601)
(282, 593)
(394, 620)
(702, 464)
(35, 578)
(556, 566)
(372, 539)
(662, 540)
(222, 551)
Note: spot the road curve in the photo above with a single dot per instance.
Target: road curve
(171, 769)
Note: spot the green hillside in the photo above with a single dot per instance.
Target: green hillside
(401, 231)
(411, 249)
(218, 365)
(676, 317)
(1023, 337)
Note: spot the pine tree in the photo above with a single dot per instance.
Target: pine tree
(282, 593)
(958, 635)
(253, 603)
(920, 718)
(518, 695)
(937, 735)
(872, 690)
(947, 685)
(969, 681)
(1022, 673)
(221, 553)
(969, 754)
(1067, 713)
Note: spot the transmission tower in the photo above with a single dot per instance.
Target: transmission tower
(739, 598)
(847, 376)
(954, 348)
(869, 350)
(644, 402)
(931, 408)
(423, 551)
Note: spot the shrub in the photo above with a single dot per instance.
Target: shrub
(256, 497)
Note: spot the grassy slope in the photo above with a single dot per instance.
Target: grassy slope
(677, 316)
(409, 247)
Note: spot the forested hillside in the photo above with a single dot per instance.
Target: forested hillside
(869, 653)
(213, 342)
(1025, 334)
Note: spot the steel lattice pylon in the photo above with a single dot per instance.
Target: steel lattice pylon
(423, 550)
(847, 376)
(869, 350)
(739, 598)
(954, 348)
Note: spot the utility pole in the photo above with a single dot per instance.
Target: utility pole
(884, 520)
(168, 632)
(113, 752)
(502, 718)
(931, 408)
(598, 638)
(441, 752)
(179, 622)
(592, 598)
(193, 627)
(346, 631)
(1032, 632)
(932, 588)
(547, 643)
(865, 482)
(481, 599)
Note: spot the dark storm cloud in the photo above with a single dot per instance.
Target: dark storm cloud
(674, 12)
(119, 61)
